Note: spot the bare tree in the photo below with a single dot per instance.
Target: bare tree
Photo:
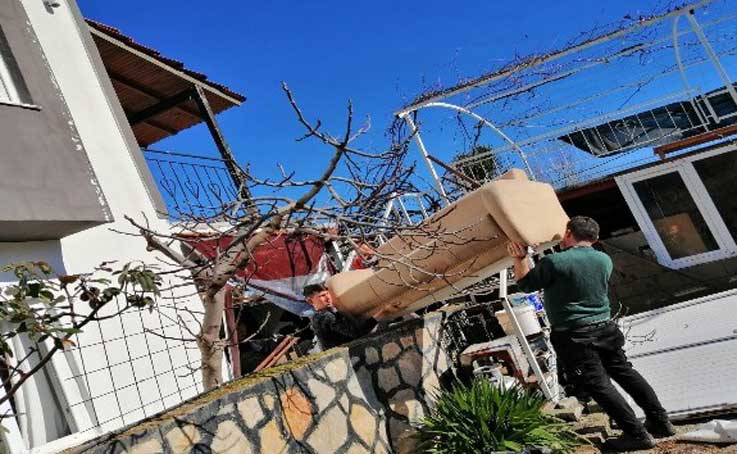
(344, 204)
(349, 196)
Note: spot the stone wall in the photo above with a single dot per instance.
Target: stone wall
(362, 398)
(403, 367)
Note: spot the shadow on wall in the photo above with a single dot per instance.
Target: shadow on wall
(362, 398)
(41, 414)
(31, 251)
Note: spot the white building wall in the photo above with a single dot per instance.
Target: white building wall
(128, 373)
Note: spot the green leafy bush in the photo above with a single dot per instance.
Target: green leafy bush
(483, 418)
(49, 309)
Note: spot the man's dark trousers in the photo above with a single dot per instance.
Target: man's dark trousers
(593, 354)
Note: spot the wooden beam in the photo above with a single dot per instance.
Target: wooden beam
(278, 353)
(695, 140)
(160, 107)
(160, 126)
(186, 77)
(590, 188)
(145, 91)
(217, 135)
(474, 184)
(232, 324)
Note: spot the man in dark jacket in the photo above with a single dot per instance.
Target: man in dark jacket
(331, 327)
(588, 343)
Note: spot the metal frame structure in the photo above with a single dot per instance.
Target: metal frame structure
(550, 390)
(440, 99)
(474, 115)
(701, 197)
(487, 79)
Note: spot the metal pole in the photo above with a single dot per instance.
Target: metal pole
(338, 255)
(422, 205)
(682, 71)
(348, 261)
(691, 16)
(389, 206)
(498, 131)
(436, 180)
(385, 216)
(521, 337)
(405, 213)
(533, 62)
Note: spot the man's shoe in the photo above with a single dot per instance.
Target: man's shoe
(660, 427)
(629, 442)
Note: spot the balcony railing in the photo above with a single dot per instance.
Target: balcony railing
(192, 185)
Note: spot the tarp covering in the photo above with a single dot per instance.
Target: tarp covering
(280, 268)
(716, 431)
(654, 127)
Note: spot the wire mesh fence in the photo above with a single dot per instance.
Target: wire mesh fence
(129, 367)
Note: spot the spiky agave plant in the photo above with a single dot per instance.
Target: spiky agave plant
(483, 418)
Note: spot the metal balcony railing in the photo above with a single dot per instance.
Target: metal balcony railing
(192, 185)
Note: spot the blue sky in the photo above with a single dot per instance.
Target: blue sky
(380, 54)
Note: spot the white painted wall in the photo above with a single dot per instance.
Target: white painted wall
(138, 383)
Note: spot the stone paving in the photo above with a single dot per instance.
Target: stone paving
(597, 421)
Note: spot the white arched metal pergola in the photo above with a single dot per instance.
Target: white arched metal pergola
(441, 101)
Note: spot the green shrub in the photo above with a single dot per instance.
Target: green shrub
(483, 418)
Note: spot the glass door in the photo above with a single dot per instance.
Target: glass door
(676, 215)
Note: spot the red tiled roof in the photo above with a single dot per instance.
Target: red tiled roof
(176, 64)
(142, 78)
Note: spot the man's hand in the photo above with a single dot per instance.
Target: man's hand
(385, 311)
(516, 250)
(521, 264)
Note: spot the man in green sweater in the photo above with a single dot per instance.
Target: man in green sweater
(587, 342)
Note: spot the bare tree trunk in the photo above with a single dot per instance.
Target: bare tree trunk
(273, 214)
(209, 342)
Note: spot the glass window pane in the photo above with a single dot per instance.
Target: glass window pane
(12, 86)
(718, 175)
(7, 90)
(676, 218)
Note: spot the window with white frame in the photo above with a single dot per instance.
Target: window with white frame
(687, 208)
(12, 87)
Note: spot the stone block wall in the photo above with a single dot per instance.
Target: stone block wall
(361, 398)
(404, 368)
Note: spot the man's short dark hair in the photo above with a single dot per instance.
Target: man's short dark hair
(583, 228)
(311, 289)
